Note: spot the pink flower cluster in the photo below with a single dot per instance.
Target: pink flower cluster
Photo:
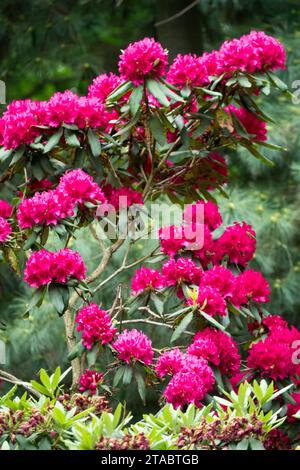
(17, 125)
(254, 52)
(170, 362)
(190, 383)
(5, 230)
(254, 126)
(273, 356)
(103, 85)
(81, 187)
(237, 243)
(96, 326)
(142, 59)
(182, 270)
(146, 279)
(217, 348)
(134, 346)
(19, 122)
(188, 70)
(5, 209)
(90, 380)
(44, 267)
(48, 207)
(210, 301)
(122, 197)
(203, 213)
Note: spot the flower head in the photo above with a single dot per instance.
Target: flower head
(170, 362)
(238, 243)
(210, 301)
(5, 229)
(251, 285)
(134, 345)
(90, 380)
(191, 383)
(182, 270)
(44, 266)
(81, 187)
(203, 213)
(146, 279)
(96, 325)
(142, 59)
(5, 209)
(187, 70)
(103, 85)
(218, 348)
(222, 279)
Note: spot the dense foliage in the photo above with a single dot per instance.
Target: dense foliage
(76, 162)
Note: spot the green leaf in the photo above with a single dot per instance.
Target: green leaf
(157, 91)
(53, 141)
(45, 379)
(94, 142)
(157, 129)
(277, 82)
(71, 138)
(211, 320)
(141, 387)
(118, 375)
(243, 445)
(127, 376)
(120, 91)
(135, 99)
(182, 326)
(256, 153)
(59, 297)
(256, 445)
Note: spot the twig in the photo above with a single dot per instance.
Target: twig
(14, 380)
(178, 14)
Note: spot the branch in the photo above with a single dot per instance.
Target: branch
(178, 14)
(14, 380)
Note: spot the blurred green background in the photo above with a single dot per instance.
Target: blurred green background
(47, 46)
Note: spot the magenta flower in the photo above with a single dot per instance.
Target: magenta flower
(210, 215)
(254, 126)
(5, 209)
(170, 362)
(143, 59)
(44, 267)
(81, 187)
(222, 279)
(146, 279)
(237, 243)
(251, 285)
(134, 346)
(90, 380)
(191, 383)
(187, 70)
(103, 85)
(5, 230)
(210, 301)
(273, 355)
(171, 239)
(96, 326)
(182, 270)
(45, 208)
(218, 348)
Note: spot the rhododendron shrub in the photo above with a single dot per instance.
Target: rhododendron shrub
(196, 323)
